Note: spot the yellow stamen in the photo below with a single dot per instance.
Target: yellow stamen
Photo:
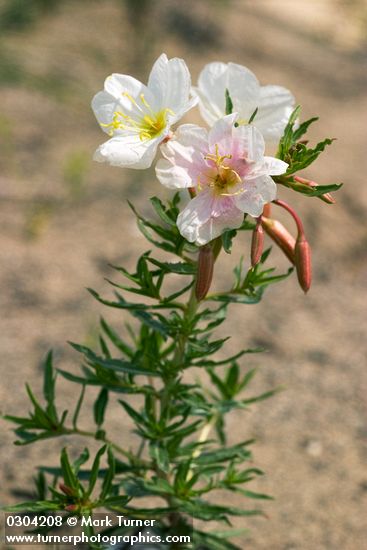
(225, 176)
(148, 126)
(217, 158)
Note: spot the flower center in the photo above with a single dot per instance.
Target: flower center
(224, 176)
(148, 124)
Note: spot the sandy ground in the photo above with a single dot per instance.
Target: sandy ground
(63, 219)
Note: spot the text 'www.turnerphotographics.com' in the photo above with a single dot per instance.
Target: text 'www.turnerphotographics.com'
(98, 528)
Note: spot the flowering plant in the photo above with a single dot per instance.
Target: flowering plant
(181, 454)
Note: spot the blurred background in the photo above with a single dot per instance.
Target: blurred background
(63, 219)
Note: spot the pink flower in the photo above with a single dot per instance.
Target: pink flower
(228, 170)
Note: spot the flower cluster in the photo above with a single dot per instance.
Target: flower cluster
(224, 168)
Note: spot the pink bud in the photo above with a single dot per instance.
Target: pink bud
(280, 236)
(71, 508)
(326, 197)
(205, 271)
(66, 489)
(257, 243)
(303, 262)
(267, 210)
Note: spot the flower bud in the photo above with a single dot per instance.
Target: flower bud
(257, 243)
(267, 210)
(66, 489)
(303, 262)
(205, 271)
(71, 508)
(280, 236)
(326, 197)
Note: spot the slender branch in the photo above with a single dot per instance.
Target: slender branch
(203, 437)
(118, 448)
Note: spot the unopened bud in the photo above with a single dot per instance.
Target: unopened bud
(280, 236)
(257, 243)
(267, 210)
(66, 489)
(326, 197)
(71, 508)
(303, 262)
(205, 271)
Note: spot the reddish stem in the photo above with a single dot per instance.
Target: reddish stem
(294, 215)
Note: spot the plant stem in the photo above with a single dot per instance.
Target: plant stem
(127, 454)
(203, 436)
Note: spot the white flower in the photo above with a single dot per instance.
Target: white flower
(138, 117)
(275, 103)
(228, 170)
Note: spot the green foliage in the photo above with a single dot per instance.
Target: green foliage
(293, 150)
(180, 456)
(174, 334)
(229, 104)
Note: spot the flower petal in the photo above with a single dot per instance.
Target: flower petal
(244, 90)
(241, 83)
(104, 106)
(170, 82)
(275, 107)
(208, 110)
(221, 133)
(194, 215)
(184, 157)
(207, 216)
(249, 142)
(274, 167)
(211, 88)
(267, 166)
(122, 94)
(128, 151)
(257, 192)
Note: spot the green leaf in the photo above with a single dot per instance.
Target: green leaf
(301, 157)
(302, 128)
(100, 405)
(227, 238)
(218, 455)
(237, 297)
(159, 454)
(251, 494)
(229, 103)
(78, 405)
(68, 473)
(108, 479)
(95, 470)
(316, 191)
(232, 378)
(287, 139)
(138, 418)
(41, 485)
(49, 382)
(82, 459)
(116, 340)
(40, 506)
(260, 397)
(116, 365)
(252, 117)
(151, 322)
(161, 210)
(181, 268)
